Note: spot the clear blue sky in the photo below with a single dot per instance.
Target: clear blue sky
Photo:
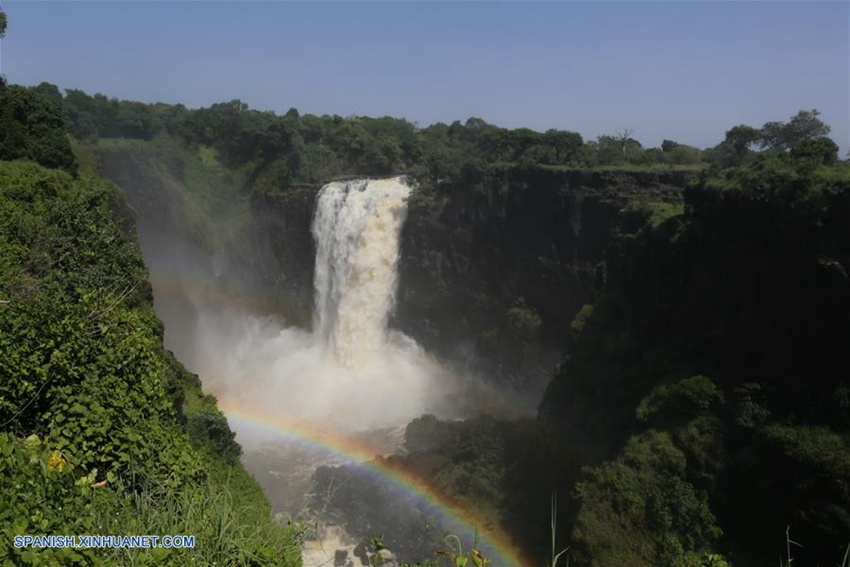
(680, 70)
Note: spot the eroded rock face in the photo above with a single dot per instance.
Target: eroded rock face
(281, 225)
(491, 274)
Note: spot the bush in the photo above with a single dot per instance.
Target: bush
(682, 400)
(91, 434)
(640, 510)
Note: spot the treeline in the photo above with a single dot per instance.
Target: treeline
(295, 148)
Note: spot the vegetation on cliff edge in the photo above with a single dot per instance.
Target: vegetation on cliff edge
(101, 430)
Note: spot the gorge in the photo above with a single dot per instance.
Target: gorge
(491, 269)
(462, 340)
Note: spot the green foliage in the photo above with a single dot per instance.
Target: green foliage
(747, 284)
(86, 382)
(93, 117)
(683, 155)
(640, 510)
(668, 146)
(678, 154)
(184, 188)
(77, 334)
(816, 152)
(452, 555)
(228, 530)
(686, 399)
(610, 150)
(32, 127)
(737, 145)
(824, 451)
(48, 495)
(524, 320)
(581, 318)
(800, 135)
(427, 434)
(308, 148)
(803, 126)
(208, 429)
(652, 212)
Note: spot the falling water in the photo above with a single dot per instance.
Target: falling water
(351, 372)
(356, 227)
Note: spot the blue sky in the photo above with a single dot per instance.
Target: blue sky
(680, 70)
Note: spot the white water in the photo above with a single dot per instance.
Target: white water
(356, 228)
(351, 373)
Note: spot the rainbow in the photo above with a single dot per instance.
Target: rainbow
(495, 544)
(201, 290)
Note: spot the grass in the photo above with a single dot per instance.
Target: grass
(225, 533)
(790, 544)
(654, 211)
(553, 527)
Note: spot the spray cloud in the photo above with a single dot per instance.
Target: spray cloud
(351, 372)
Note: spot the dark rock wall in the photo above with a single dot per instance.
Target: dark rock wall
(285, 253)
(492, 274)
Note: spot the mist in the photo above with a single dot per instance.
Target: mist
(258, 362)
(351, 373)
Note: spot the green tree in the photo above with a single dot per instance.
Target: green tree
(736, 147)
(565, 144)
(739, 141)
(650, 156)
(668, 146)
(3, 22)
(32, 127)
(50, 92)
(608, 151)
(136, 120)
(805, 125)
(683, 155)
(819, 151)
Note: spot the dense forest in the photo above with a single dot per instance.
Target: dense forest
(101, 429)
(702, 408)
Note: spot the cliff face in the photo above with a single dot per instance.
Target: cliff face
(492, 272)
(284, 250)
(727, 330)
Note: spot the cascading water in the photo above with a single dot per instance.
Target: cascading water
(356, 228)
(350, 373)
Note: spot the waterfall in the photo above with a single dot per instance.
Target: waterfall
(350, 372)
(356, 228)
